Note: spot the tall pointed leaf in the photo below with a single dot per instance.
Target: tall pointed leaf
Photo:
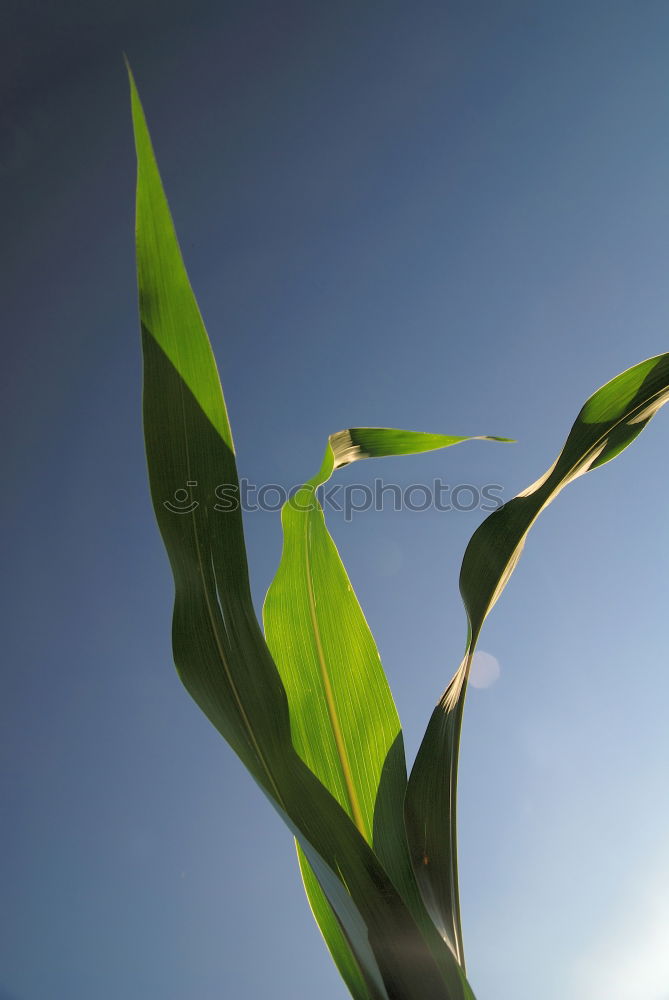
(219, 650)
(608, 422)
(343, 719)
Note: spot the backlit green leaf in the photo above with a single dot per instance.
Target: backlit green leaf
(343, 719)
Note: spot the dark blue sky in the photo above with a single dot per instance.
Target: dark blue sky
(444, 216)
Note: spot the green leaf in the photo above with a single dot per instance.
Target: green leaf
(332, 933)
(607, 424)
(344, 722)
(219, 649)
(343, 719)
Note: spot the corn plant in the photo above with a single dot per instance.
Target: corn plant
(306, 705)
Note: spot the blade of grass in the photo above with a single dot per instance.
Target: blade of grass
(219, 650)
(332, 933)
(608, 422)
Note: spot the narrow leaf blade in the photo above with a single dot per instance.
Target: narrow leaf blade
(608, 422)
(333, 935)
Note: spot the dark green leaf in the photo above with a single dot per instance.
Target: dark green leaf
(609, 421)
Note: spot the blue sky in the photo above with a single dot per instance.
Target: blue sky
(443, 216)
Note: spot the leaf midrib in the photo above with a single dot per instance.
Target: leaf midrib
(344, 763)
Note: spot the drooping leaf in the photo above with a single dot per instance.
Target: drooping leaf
(608, 422)
(344, 722)
(219, 649)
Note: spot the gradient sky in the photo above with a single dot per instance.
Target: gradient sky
(445, 216)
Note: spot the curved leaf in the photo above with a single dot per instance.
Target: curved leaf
(608, 422)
